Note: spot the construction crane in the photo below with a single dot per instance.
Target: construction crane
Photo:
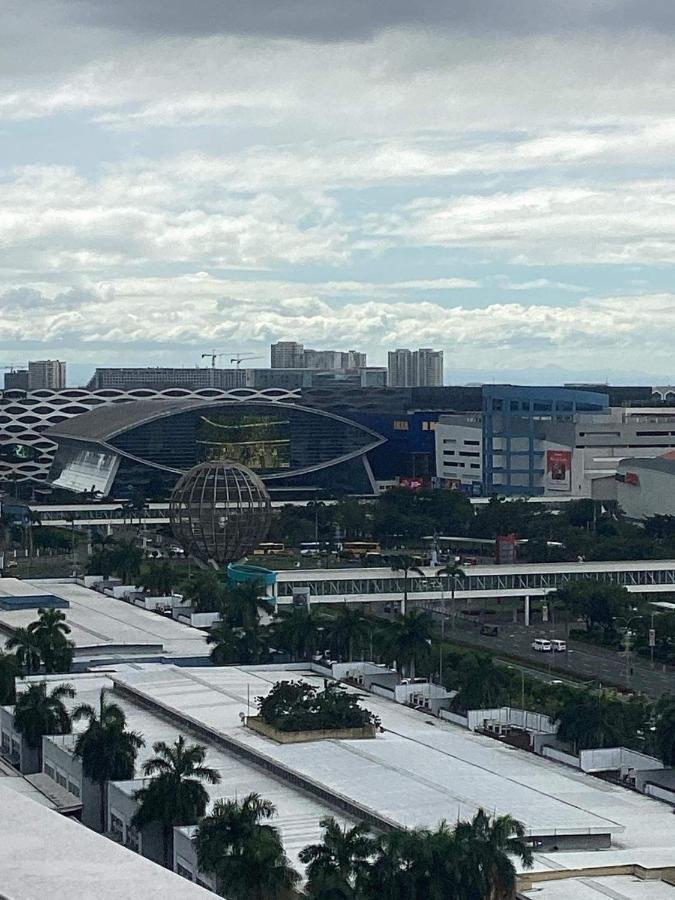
(240, 357)
(213, 356)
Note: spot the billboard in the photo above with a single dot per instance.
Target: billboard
(261, 442)
(559, 470)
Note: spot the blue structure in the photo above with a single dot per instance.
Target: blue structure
(512, 418)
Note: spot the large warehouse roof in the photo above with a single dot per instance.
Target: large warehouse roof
(104, 627)
(46, 855)
(419, 771)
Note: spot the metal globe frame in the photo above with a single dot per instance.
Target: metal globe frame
(220, 511)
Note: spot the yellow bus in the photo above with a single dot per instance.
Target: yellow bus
(270, 549)
(359, 549)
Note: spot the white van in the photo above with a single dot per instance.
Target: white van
(542, 645)
(559, 646)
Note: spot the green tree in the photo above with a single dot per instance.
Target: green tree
(175, 795)
(158, 578)
(598, 603)
(38, 713)
(408, 640)
(9, 669)
(243, 646)
(591, 720)
(127, 559)
(405, 564)
(27, 648)
(107, 750)
(244, 853)
(51, 631)
(339, 862)
(240, 603)
(348, 630)
(204, 591)
(480, 683)
(298, 633)
(487, 846)
(664, 737)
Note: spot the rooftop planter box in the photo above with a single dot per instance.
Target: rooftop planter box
(295, 711)
(255, 723)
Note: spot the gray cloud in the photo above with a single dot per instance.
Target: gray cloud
(328, 20)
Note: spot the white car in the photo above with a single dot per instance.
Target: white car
(542, 645)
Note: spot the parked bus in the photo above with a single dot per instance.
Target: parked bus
(270, 549)
(359, 549)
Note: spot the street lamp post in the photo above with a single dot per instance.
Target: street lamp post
(626, 642)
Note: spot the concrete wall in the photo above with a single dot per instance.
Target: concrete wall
(185, 857)
(63, 767)
(121, 809)
(14, 747)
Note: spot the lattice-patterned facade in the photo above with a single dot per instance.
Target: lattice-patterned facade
(26, 454)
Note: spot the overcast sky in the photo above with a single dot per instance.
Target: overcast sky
(494, 179)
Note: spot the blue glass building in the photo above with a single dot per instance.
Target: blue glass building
(513, 420)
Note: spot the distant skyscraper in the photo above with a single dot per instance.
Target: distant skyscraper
(427, 367)
(287, 355)
(415, 368)
(46, 373)
(291, 355)
(400, 368)
(16, 380)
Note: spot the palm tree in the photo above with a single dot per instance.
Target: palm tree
(588, 720)
(107, 750)
(241, 603)
(28, 650)
(244, 853)
(158, 579)
(405, 563)
(244, 646)
(9, 669)
(204, 591)
(37, 713)
(176, 795)
(297, 632)
(394, 873)
(452, 572)
(339, 862)
(348, 628)
(51, 634)
(487, 846)
(127, 558)
(409, 639)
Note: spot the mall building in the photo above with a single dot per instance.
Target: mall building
(530, 441)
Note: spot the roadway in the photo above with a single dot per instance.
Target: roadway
(582, 661)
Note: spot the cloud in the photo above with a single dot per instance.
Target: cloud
(325, 20)
(629, 223)
(140, 318)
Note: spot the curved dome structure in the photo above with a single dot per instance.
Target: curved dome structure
(220, 511)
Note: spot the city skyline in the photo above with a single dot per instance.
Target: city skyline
(494, 184)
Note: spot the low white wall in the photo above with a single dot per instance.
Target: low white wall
(559, 756)
(660, 793)
(454, 717)
(616, 758)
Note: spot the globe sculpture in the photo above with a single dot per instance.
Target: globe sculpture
(220, 511)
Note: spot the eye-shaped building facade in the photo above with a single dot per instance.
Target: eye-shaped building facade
(147, 445)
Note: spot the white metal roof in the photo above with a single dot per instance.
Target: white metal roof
(422, 770)
(106, 626)
(46, 855)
